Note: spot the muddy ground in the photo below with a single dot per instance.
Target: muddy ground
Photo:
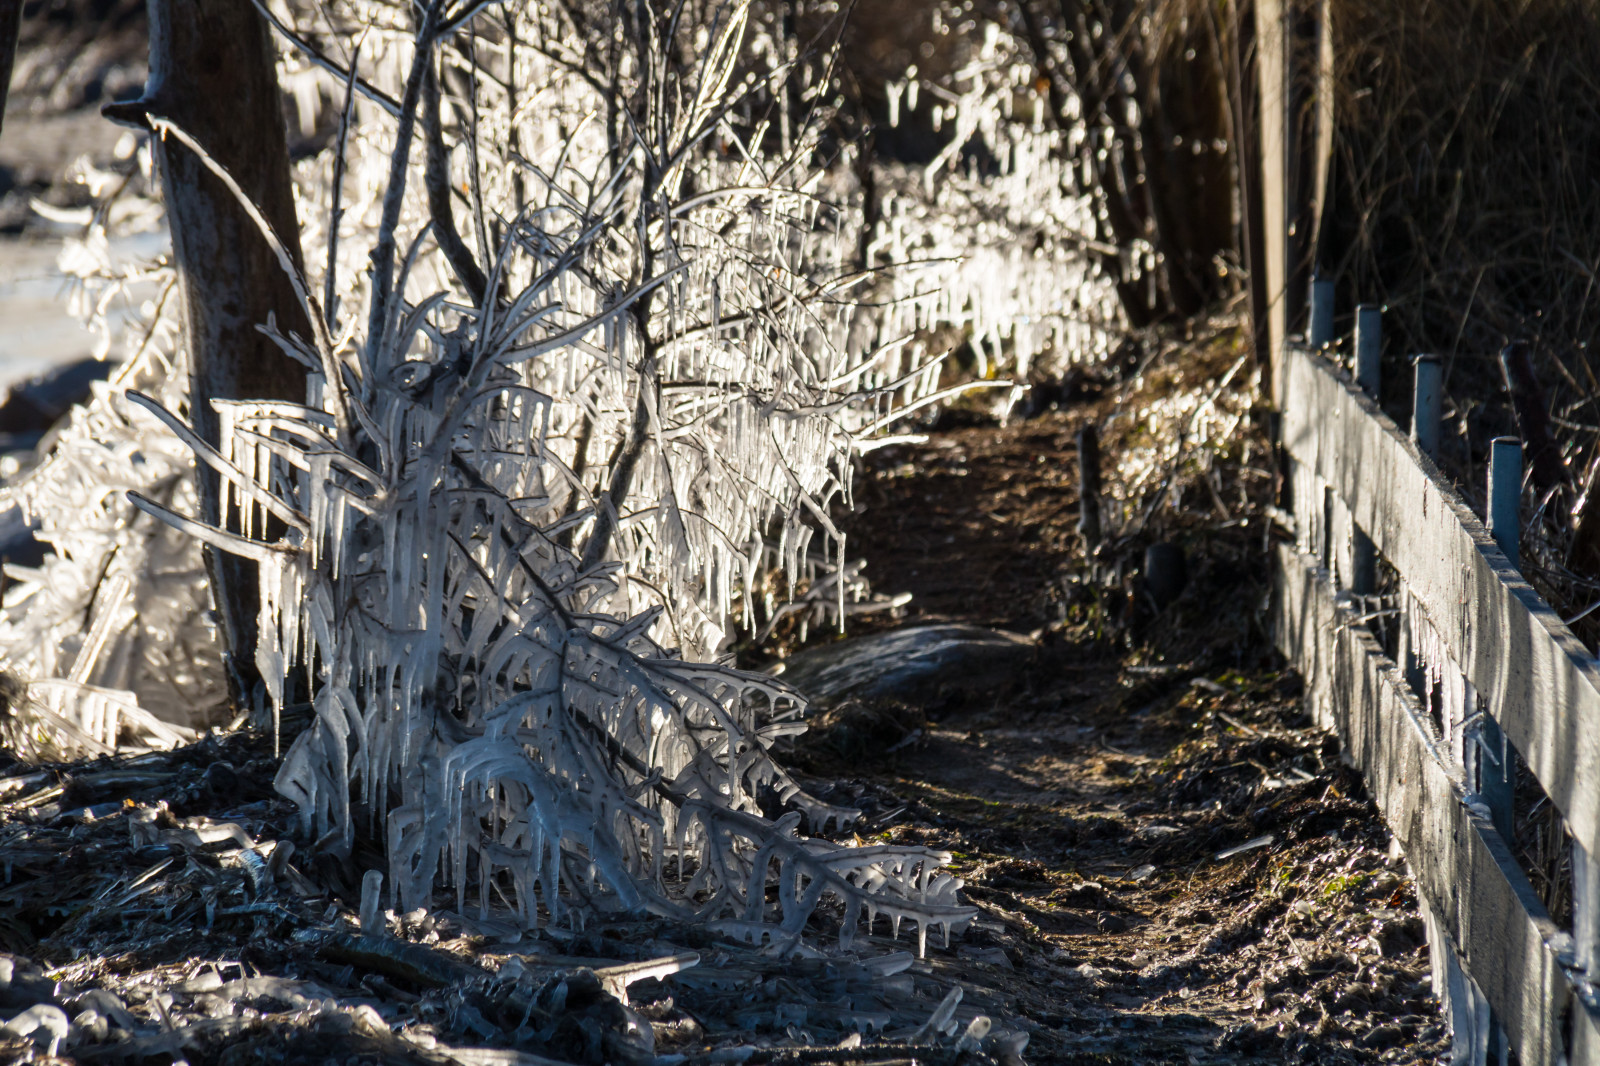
(1171, 866)
(1176, 866)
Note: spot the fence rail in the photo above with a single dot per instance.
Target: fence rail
(1483, 670)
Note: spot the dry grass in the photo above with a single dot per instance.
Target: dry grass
(1465, 165)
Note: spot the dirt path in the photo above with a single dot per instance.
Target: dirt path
(1173, 867)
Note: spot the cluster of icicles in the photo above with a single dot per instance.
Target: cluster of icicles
(535, 724)
(1007, 258)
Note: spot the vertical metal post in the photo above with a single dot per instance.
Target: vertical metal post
(1425, 390)
(1425, 405)
(1505, 495)
(1495, 759)
(1369, 341)
(1321, 333)
(1586, 909)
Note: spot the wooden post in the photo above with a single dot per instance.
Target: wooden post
(1272, 73)
(1245, 94)
(1293, 68)
(1425, 405)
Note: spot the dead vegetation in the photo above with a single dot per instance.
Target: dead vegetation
(1467, 137)
(158, 908)
(1170, 865)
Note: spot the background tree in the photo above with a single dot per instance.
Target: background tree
(213, 74)
(10, 29)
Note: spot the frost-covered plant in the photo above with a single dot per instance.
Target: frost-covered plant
(931, 256)
(740, 252)
(534, 469)
(998, 222)
(108, 638)
(127, 659)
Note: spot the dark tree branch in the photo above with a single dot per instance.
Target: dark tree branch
(436, 177)
(10, 30)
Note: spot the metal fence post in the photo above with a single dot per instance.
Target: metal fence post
(1089, 486)
(1496, 764)
(1425, 434)
(1586, 909)
(1321, 334)
(1495, 758)
(1504, 512)
(1369, 342)
(1425, 405)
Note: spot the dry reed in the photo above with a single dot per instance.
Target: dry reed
(1465, 164)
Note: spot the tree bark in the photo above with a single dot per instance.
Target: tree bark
(213, 74)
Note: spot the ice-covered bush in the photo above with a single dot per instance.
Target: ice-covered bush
(538, 462)
(997, 223)
(108, 642)
(598, 325)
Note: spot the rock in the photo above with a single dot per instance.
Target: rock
(23, 984)
(221, 780)
(903, 661)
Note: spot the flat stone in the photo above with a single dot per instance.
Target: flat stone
(903, 662)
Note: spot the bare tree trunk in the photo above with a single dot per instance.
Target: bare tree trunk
(212, 73)
(10, 29)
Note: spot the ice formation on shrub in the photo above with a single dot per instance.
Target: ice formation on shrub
(544, 466)
(1007, 251)
(518, 509)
